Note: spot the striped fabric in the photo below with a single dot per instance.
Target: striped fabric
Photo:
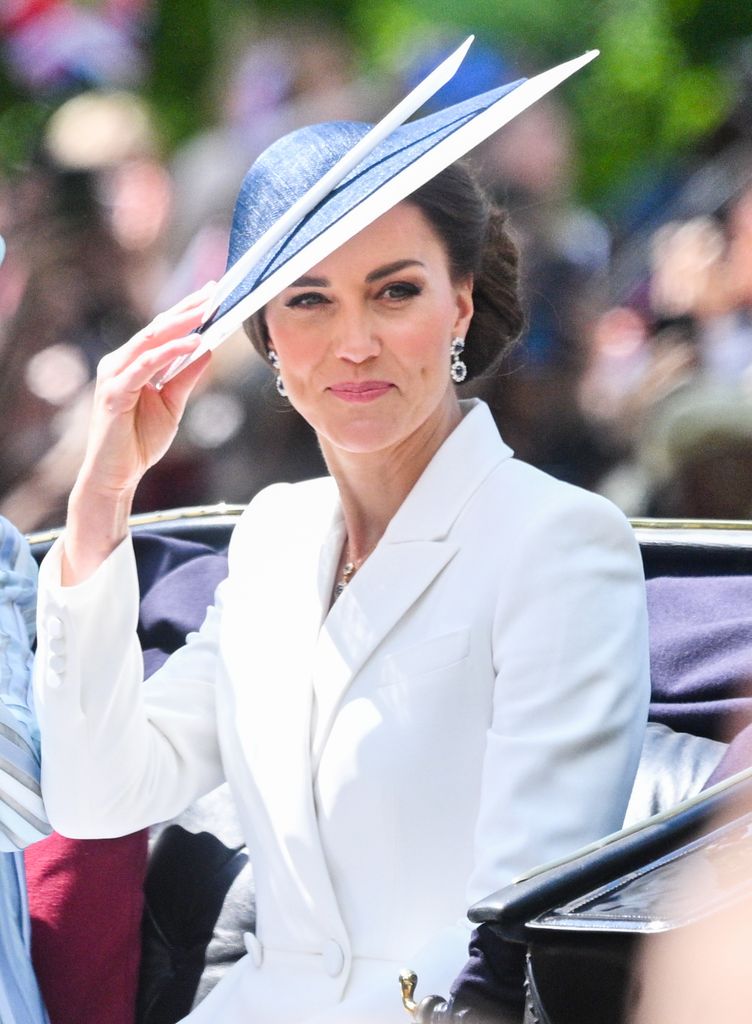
(22, 817)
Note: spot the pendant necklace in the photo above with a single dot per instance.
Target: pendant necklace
(348, 571)
(347, 574)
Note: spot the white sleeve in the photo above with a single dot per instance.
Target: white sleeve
(119, 754)
(571, 694)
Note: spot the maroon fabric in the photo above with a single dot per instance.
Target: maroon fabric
(86, 900)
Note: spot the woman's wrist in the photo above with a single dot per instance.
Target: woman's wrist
(97, 523)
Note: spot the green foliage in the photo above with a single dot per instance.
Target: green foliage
(387, 29)
(659, 86)
(21, 124)
(184, 53)
(660, 83)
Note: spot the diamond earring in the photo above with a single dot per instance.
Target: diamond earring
(458, 370)
(278, 382)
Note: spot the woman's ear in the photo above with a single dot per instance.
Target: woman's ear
(257, 331)
(465, 307)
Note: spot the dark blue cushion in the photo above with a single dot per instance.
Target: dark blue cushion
(701, 653)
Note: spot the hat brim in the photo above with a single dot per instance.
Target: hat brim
(410, 156)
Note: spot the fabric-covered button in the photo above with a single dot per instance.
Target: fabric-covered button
(55, 627)
(57, 645)
(57, 663)
(53, 680)
(253, 948)
(334, 958)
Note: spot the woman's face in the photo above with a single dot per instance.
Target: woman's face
(363, 339)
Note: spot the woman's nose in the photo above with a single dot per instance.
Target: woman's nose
(356, 339)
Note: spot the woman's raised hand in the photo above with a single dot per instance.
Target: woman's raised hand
(132, 426)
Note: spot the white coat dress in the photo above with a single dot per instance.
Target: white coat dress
(473, 705)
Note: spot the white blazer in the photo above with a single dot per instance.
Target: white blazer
(473, 705)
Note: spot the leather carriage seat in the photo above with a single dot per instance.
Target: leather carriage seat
(701, 682)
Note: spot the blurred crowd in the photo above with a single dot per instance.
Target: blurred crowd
(669, 374)
(634, 376)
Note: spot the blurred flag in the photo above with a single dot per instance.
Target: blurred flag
(53, 45)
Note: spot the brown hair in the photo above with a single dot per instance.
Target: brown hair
(473, 231)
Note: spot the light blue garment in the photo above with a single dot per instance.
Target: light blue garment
(22, 817)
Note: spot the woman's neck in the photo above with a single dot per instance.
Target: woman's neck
(373, 485)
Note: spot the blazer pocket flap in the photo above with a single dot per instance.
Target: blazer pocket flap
(427, 656)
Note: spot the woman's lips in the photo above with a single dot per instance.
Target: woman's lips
(361, 391)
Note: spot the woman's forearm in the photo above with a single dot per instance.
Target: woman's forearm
(96, 524)
(132, 425)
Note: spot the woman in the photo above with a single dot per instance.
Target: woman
(423, 675)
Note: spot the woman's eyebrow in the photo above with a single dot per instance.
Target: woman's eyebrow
(391, 268)
(310, 282)
(375, 275)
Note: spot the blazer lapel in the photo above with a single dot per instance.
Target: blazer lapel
(415, 548)
(275, 708)
(366, 613)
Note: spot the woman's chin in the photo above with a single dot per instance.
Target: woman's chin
(361, 438)
(361, 446)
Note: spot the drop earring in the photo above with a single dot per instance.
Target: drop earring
(278, 382)
(458, 369)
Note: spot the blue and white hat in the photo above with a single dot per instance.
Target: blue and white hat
(312, 190)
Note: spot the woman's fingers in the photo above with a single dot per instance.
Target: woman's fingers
(176, 392)
(178, 322)
(132, 422)
(120, 391)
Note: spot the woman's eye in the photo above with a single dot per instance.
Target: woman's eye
(306, 300)
(401, 290)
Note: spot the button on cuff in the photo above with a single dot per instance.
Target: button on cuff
(56, 663)
(55, 627)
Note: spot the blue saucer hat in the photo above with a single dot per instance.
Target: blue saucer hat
(294, 167)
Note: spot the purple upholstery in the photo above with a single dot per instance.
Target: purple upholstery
(177, 579)
(701, 653)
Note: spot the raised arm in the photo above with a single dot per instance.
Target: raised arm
(132, 426)
(117, 754)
